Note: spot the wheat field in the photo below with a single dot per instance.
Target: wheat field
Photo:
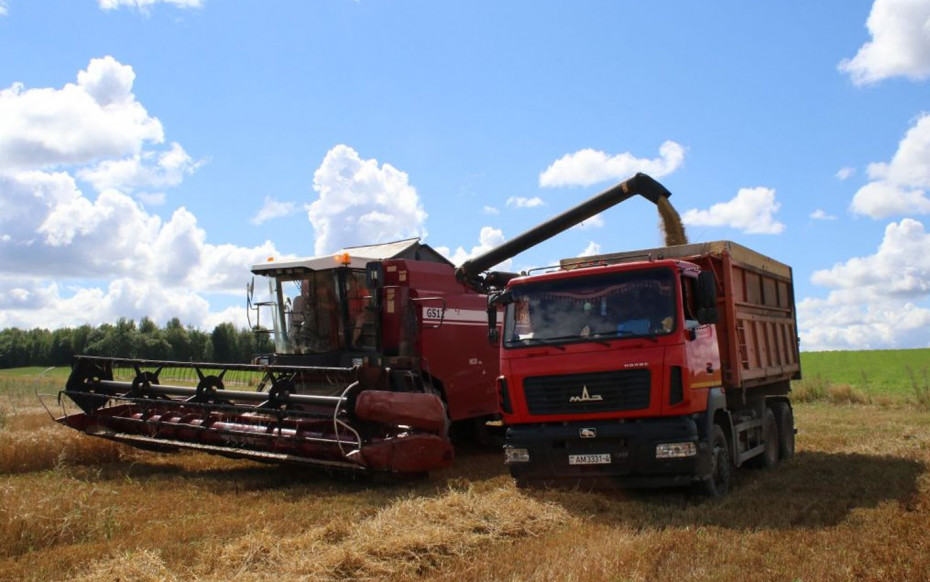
(854, 504)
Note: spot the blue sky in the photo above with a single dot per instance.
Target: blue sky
(152, 150)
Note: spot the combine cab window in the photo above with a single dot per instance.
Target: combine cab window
(607, 306)
(313, 325)
(361, 318)
(329, 311)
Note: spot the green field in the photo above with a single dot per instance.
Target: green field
(34, 372)
(890, 373)
(27, 381)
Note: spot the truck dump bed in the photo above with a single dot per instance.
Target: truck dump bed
(757, 330)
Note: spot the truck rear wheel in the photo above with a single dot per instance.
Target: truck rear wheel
(718, 482)
(784, 418)
(769, 456)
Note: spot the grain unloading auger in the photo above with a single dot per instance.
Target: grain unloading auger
(470, 271)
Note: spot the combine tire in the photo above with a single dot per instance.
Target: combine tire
(718, 482)
(784, 418)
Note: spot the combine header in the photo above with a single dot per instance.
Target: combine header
(377, 353)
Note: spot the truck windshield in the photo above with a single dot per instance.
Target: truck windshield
(591, 308)
(327, 311)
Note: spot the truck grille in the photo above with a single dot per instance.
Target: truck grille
(585, 393)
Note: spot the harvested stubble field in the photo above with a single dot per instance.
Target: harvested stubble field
(854, 504)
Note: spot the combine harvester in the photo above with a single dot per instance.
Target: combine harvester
(376, 354)
(377, 351)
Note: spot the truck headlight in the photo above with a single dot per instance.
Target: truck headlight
(675, 450)
(514, 455)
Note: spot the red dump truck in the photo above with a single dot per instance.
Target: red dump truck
(665, 366)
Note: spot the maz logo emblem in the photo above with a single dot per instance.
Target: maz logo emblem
(587, 433)
(585, 397)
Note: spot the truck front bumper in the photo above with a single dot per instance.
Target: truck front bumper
(610, 452)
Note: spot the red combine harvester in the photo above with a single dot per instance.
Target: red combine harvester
(376, 353)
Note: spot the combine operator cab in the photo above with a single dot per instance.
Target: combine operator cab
(322, 311)
(361, 379)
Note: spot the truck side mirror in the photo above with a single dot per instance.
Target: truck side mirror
(495, 301)
(494, 334)
(707, 298)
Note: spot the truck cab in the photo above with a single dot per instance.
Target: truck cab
(655, 367)
(603, 364)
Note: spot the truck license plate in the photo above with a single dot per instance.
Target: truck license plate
(595, 459)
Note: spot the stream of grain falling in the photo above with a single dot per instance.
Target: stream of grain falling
(672, 227)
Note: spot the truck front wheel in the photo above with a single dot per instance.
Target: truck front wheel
(718, 482)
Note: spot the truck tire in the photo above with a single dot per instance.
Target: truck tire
(769, 456)
(718, 482)
(784, 418)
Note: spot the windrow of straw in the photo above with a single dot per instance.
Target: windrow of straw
(33, 442)
(407, 539)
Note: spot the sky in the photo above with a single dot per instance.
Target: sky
(151, 151)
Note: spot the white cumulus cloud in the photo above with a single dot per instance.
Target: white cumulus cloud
(361, 203)
(488, 239)
(522, 202)
(67, 258)
(752, 211)
(898, 187)
(94, 119)
(821, 215)
(900, 44)
(596, 221)
(592, 249)
(145, 5)
(142, 171)
(272, 209)
(900, 267)
(877, 301)
(55, 231)
(844, 173)
(589, 166)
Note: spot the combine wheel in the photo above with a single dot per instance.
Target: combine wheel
(718, 483)
(784, 419)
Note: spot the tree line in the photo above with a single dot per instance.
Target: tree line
(126, 339)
